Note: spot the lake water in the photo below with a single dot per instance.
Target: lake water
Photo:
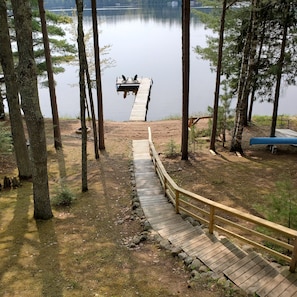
(149, 46)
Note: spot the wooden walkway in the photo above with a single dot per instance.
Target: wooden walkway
(139, 109)
(249, 271)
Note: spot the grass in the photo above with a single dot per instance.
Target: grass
(283, 121)
(5, 140)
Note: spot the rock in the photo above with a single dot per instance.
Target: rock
(195, 274)
(188, 261)
(139, 212)
(139, 238)
(175, 251)
(120, 222)
(247, 248)
(164, 244)
(190, 220)
(182, 256)
(203, 269)
(222, 281)
(135, 205)
(146, 226)
(196, 264)
(135, 199)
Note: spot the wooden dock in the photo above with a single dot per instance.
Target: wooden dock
(139, 109)
(249, 271)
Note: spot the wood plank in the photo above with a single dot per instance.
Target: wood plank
(167, 222)
(225, 262)
(237, 266)
(166, 232)
(204, 243)
(262, 278)
(251, 268)
(191, 250)
(290, 291)
(268, 287)
(156, 211)
(236, 250)
(151, 192)
(198, 245)
(160, 220)
(183, 237)
(283, 285)
(217, 252)
(249, 280)
(220, 268)
(157, 202)
(176, 229)
(139, 109)
(211, 251)
(180, 237)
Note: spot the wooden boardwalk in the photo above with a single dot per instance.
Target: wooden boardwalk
(139, 109)
(248, 271)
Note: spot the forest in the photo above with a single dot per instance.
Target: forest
(68, 4)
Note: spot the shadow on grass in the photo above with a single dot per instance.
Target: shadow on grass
(29, 249)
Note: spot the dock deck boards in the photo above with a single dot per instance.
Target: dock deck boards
(139, 109)
(249, 271)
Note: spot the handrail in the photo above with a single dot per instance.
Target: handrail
(226, 219)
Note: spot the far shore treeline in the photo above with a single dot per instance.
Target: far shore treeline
(68, 4)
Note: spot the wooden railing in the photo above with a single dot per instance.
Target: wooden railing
(271, 238)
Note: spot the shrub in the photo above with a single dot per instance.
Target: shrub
(171, 149)
(63, 197)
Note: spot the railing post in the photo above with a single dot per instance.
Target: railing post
(294, 257)
(211, 219)
(176, 201)
(165, 185)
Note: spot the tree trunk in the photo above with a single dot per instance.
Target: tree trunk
(279, 72)
(2, 112)
(50, 75)
(27, 79)
(98, 76)
(16, 122)
(82, 71)
(96, 150)
(244, 85)
(254, 83)
(186, 74)
(218, 80)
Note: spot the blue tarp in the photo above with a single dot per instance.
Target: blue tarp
(273, 140)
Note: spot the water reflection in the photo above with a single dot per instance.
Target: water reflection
(148, 42)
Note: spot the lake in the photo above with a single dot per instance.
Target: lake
(149, 45)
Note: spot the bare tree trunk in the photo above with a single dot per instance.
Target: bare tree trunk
(96, 150)
(279, 72)
(50, 75)
(82, 71)
(27, 79)
(2, 112)
(186, 75)
(98, 76)
(244, 85)
(16, 122)
(218, 80)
